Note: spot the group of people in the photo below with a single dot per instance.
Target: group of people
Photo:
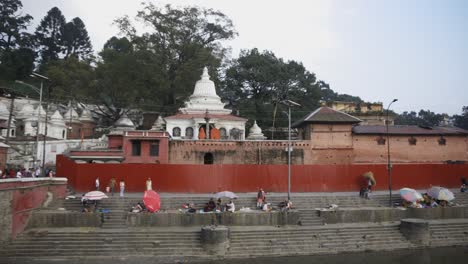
(211, 206)
(111, 187)
(25, 173)
(426, 202)
(264, 206)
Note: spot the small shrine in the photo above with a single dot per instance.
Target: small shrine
(204, 116)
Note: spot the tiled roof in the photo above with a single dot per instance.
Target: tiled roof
(190, 116)
(326, 115)
(408, 130)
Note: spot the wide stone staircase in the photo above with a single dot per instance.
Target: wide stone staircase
(76, 242)
(117, 215)
(449, 232)
(316, 240)
(117, 207)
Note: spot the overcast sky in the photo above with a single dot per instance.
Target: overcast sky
(416, 51)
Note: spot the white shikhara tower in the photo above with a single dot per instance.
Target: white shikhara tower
(204, 107)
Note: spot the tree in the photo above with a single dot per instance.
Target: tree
(257, 82)
(76, 40)
(180, 42)
(423, 118)
(461, 121)
(16, 56)
(328, 95)
(49, 36)
(71, 79)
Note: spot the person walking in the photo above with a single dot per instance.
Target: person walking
(149, 184)
(112, 183)
(96, 183)
(122, 187)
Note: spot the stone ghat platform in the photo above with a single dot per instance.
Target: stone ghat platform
(357, 225)
(217, 242)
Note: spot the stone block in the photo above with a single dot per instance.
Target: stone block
(416, 230)
(215, 239)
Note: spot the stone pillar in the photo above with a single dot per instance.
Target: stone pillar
(215, 239)
(416, 230)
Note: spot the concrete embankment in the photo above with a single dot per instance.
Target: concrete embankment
(176, 236)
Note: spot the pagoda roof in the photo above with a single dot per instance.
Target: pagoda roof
(327, 115)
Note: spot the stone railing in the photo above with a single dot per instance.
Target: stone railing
(228, 219)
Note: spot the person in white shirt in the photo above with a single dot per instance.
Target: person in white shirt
(122, 188)
(97, 184)
(230, 207)
(37, 173)
(18, 174)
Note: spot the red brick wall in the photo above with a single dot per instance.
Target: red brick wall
(3, 158)
(339, 147)
(248, 178)
(27, 195)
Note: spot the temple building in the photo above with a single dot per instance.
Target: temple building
(204, 116)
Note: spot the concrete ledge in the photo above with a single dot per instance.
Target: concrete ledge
(357, 215)
(46, 218)
(228, 219)
(377, 214)
(438, 212)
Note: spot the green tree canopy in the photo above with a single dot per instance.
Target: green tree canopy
(257, 82)
(461, 121)
(76, 40)
(423, 118)
(179, 42)
(16, 55)
(49, 36)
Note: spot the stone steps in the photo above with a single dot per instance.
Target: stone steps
(316, 240)
(78, 242)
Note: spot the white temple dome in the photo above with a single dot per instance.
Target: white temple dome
(86, 115)
(124, 122)
(42, 113)
(158, 124)
(27, 111)
(204, 98)
(205, 86)
(71, 112)
(255, 132)
(4, 113)
(57, 118)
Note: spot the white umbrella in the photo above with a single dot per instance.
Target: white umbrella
(440, 193)
(227, 194)
(95, 195)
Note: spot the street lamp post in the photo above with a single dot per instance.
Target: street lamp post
(289, 103)
(42, 77)
(389, 163)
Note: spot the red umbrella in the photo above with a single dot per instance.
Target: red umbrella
(152, 200)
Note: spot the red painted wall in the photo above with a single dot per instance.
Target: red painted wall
(30, 195)
(248, 178)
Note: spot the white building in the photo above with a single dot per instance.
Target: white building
(205, 107)
(28, 117)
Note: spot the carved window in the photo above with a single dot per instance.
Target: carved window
(176, 132)
(189, 132)
(136, 148)
(235, 134)
(442, 141)
(412, 141)
(223, 133)
(63, 133)
(154, 148)
(381, 140)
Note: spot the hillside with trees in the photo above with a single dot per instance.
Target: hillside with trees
(156, 70)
